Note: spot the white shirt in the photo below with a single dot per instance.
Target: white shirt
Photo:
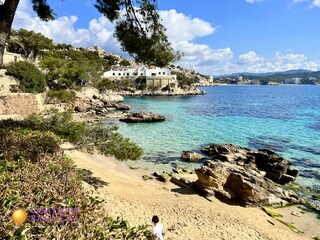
(157, 230)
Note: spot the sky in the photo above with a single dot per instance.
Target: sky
(216, 36)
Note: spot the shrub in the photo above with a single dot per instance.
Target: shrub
(31, 79)
(106, 84)
(125, 62)
(60, 96)
(34, 174)
(25, 144)
(105, 140)
(49, 183)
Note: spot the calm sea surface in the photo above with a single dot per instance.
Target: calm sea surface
(283, 118)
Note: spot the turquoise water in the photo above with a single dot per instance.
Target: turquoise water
(283, 118)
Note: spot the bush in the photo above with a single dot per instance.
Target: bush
(25, 144)
(125, 62)
(60, 96)
(105, 140)
(49, 183)
(106, 84)
(34, 174)
(31, 79)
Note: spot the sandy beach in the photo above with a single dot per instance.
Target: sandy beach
(183, 213)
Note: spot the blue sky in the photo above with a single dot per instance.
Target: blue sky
(216, 36)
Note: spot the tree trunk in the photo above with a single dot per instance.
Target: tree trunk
(7, 12)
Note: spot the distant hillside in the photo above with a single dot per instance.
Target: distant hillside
(306, 76)
(295, 71)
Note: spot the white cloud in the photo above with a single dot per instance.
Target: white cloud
(316, 3)
(249, 58)
(184, 28)
(313, 3)
(254, 1)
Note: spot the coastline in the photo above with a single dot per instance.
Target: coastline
(188, 215)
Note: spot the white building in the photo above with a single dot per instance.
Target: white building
(153, 77)
(292, 81)
(139, 71)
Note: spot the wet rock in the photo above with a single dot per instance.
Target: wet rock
(190, 156)
(142, 117)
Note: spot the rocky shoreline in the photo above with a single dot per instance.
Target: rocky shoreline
(237, 175)
(92, 106)
(187, 91)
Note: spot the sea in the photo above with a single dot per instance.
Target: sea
(283, 118)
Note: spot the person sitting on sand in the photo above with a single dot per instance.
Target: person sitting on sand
(157, 229)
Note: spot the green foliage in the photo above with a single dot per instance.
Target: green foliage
(125, 84)
(31, 79)
(111, 60)
(183, 79)
(60, 96)
(19, 143)
(84, 136)
(72, 68)
(125, 62)
(106, 84)
(53, 181)
(28, 43)
(142, 37)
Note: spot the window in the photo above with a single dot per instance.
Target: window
(124, 74)
(164, 73)
(119, 74)
(153, 74)
(113, 74)
(141, 74)
(159, 73)
(127, 74)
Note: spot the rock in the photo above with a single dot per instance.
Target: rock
(145, 177)
(247, 187)
(142, 117)
(80, 108)
(123, 107)
(155, 174)
(181, 182)
(275, 166)
(184, 180)
(190, 156)
(164, 177)
(297, 214)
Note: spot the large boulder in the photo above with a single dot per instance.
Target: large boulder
(275, 166)
(142, 117)
(190, 156)
(237, 184)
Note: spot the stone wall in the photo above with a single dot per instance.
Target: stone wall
(161, 81)
(9, 57)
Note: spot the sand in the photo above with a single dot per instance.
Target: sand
(183, 213)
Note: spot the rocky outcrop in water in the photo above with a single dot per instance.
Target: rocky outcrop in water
(142, 117)
(190, 156)
(275, 167)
